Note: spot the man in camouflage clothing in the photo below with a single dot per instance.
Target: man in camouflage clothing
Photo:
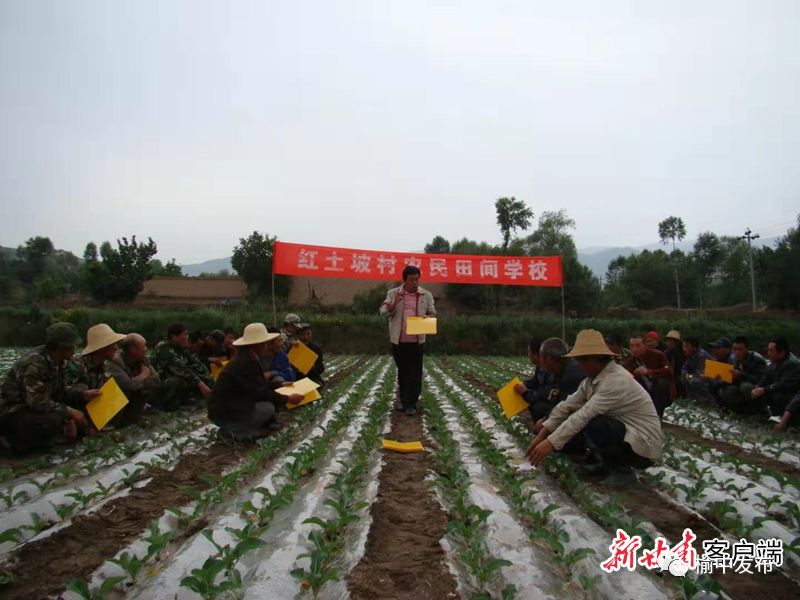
(37, 407)
(184, 377)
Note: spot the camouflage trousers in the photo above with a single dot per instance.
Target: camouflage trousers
(27, 429)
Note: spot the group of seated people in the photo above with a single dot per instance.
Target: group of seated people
(44, 396)
(607, 405)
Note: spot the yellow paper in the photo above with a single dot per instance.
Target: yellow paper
(510, 400)
(421, 325)
(302, 357)
(304, 387)
(404, 447)
(724, 370)
(217, 369)
(309, 397)
(110, 401)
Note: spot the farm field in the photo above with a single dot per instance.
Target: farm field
(319, 510)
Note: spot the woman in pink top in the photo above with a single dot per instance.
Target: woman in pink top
(408, 300)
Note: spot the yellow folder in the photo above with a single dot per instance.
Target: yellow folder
(217, 369)
(304, 386)
(715, 367)
(404, 447)
(110, 401)
(309, 397)
(421, 325)
(510, 400)
(302, 357)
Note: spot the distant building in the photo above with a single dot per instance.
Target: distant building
(195, 291)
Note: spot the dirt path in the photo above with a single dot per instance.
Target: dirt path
(43, 568)
(671, 520)
(753, 458)
(403, 557)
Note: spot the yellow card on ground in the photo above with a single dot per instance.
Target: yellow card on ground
(421, 325)
(510, 400)
(110, 401)
(304, 387)
(715, 368)
(309, 397)
(405, 447)
(302, 357)
(217, 369)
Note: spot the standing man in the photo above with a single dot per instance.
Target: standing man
(408, 300)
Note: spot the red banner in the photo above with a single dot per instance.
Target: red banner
(324, 261)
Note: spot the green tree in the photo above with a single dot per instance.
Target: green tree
(512, 214)
(673, 228)
(252, 261)
(706, 256)
(777, 267)
(32, 258)
(170, 269)
(120, 273)
(438, 245)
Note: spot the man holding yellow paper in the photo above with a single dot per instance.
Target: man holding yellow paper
(242, 402)
(407, 300)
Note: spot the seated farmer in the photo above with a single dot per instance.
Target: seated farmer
(305, 334)
(675, 358)
(197, 340)
(693, 370)
(652, 340)
(722, 350)
(781, 382)
(791, 416)
(184, 378)
(564, 375)
(614, 343)
(230, 336)
(748, 369)
(36, 406)
(213, 349)
(140, 382)
(531, 389)
(651, 369)
(611, 419)
(289, 329)
(276, 361)
(89, 370)
(242, 404)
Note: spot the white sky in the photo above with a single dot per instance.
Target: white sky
(381, 124)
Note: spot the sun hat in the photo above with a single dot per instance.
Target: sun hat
(63, 334)
(100, 336)
(674, 334)
(255, 333)
(590, 342)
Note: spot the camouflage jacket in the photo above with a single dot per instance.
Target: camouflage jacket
(39, 383)
(83, 374)
(171, 361)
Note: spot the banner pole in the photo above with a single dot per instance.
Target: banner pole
(563, 315)
(274, 311)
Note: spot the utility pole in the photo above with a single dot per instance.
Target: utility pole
(748, 235)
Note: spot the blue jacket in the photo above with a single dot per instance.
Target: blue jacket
(280, 365)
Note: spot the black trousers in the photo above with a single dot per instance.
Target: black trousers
(605, 436)
(408, 358)
(28, 429)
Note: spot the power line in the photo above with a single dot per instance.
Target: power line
(748, 235)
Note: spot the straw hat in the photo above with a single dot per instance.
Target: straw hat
(99, 336)
(590, 342)
(674, 334)
(255, 333)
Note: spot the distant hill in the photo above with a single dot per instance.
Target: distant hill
(210, 266)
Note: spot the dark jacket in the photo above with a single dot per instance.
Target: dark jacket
(126, 375)
(315, 373)
(240, 385)
(781, 382)
(695, 365)
(752, 368)
(558, 387)
(280, 366)
(656, 364)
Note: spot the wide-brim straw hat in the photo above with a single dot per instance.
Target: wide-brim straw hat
(590, 342)
(100, 336)
(674, 334)
(255, 333)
